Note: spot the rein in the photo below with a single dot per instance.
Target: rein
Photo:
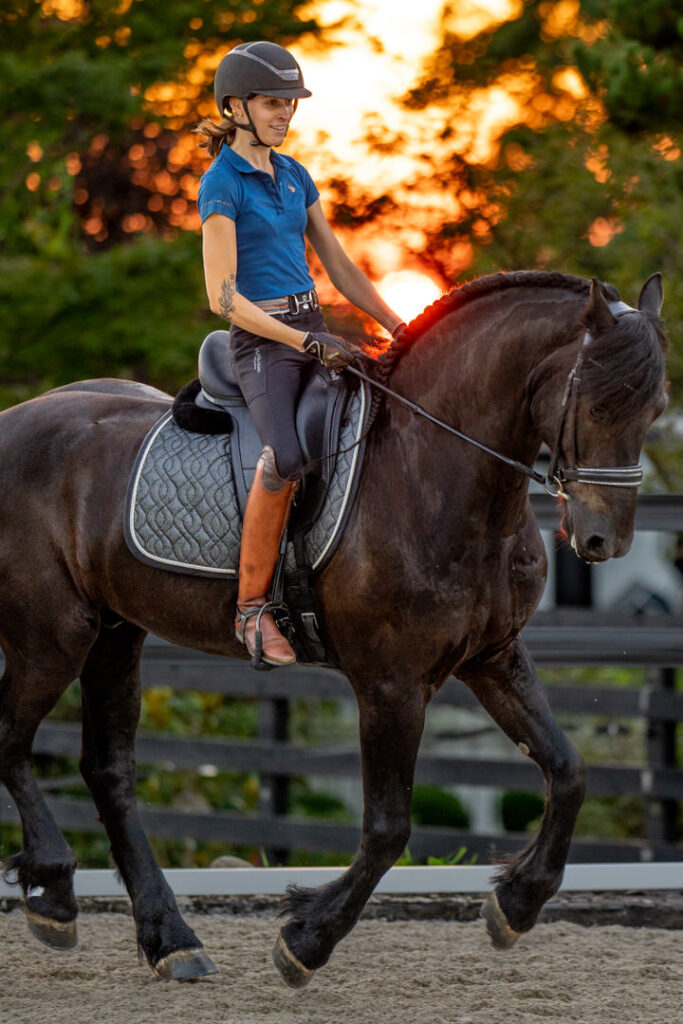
(557, 476)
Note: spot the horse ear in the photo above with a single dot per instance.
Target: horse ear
(651, 295)
(598, 316)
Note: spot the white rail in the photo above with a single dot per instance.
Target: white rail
(410, 880)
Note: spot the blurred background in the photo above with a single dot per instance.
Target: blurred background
(448, 140)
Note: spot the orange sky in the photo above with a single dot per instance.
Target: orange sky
(358, 78)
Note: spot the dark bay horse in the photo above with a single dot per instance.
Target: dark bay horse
(440, 567)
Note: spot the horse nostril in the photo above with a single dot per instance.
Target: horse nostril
(596, 544)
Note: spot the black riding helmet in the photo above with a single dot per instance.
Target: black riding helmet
(257, 68)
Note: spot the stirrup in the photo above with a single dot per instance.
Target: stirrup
(259, 611)
(244, 616)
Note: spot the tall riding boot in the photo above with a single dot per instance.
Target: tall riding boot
(265, 519)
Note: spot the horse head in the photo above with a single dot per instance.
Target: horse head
(615, 389)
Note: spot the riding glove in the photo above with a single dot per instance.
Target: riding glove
(332, 351)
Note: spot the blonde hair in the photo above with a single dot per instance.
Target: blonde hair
(216, 134)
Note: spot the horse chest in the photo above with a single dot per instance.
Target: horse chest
(497, 591)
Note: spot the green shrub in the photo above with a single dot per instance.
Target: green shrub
(435, 806)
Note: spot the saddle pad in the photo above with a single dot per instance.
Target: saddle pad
(181, 512)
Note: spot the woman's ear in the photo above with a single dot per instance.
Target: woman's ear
(234, 109)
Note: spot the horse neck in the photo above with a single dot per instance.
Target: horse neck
(474, 369)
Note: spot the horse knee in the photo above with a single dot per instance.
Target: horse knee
(387, 839)
(113, 782)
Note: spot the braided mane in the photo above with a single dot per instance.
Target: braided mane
(462, 294)
(638, 365)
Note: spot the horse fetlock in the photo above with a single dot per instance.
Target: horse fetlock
(521, 899)
(47, 885)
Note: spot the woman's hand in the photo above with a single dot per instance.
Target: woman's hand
(333, 351)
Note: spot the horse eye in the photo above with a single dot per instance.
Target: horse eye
(598, 413)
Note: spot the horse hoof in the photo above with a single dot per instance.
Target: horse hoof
(502, 935)
(292, 970)
(185, 965)
(55, 934)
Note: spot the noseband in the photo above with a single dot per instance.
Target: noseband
(604, 476)
(557, 476)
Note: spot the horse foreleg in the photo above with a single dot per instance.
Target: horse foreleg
(509, 690)
(111, 708)
(391, 723)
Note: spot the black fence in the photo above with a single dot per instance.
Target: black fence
(564, 637)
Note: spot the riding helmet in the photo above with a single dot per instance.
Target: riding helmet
(258, 68)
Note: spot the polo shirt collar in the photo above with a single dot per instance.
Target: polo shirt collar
(243, 166)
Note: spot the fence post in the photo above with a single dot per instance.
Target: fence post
(662, 815)
(274, 789)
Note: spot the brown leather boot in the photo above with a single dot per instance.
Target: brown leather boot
(265, 519)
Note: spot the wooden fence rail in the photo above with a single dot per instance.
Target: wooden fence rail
(560, 638)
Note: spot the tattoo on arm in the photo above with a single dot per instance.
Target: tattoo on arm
(227, 299)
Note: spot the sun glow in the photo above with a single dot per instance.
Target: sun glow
(408, 292)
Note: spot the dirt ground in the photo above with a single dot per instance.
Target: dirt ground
(425, 972)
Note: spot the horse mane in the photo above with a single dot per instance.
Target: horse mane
(623, 367)
(465, 293)
(635, 360)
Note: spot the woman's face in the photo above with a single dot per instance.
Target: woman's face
(270, 115)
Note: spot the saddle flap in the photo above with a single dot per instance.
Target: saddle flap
(318, 422)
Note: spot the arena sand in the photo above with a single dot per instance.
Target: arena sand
(430, 972)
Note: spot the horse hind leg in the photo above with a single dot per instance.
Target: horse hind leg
(45, 867)
(110, 686)
(509, 690)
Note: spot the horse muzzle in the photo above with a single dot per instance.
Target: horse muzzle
(597, 536)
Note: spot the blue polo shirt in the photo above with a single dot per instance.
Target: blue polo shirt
(270, 220)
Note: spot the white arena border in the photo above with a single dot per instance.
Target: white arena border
(398, 881)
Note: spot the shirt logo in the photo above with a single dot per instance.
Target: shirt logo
(292, 188)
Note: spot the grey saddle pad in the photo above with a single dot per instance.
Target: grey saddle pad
(181, 512)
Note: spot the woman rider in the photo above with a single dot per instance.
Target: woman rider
(257, 208)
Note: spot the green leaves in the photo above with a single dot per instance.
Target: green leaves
(97, 277)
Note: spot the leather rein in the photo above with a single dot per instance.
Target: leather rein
(557, 476)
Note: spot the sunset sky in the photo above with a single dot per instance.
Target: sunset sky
(374, 52)
(376, 59)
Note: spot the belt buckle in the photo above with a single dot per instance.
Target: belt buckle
(294, 304)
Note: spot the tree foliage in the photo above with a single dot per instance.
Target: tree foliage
(100, 265)
(589, 177)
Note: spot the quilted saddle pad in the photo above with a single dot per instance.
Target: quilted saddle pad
(181, 513)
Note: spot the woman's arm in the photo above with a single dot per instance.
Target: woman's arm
(220, 272)
(344, 274)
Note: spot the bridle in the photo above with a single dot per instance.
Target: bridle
(603, 476)
(557, 476)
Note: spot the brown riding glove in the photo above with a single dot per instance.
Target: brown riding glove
(332, 351)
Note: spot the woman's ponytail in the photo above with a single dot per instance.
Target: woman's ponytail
(215, 134)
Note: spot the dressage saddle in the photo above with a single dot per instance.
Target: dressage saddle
(319, 416)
